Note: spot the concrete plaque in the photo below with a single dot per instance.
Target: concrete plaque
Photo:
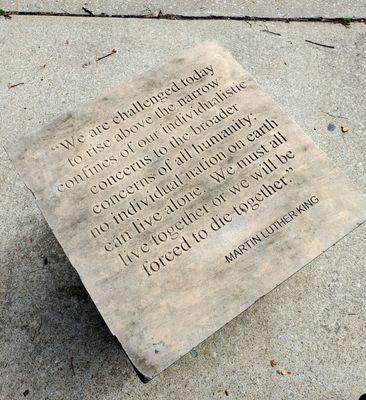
(181, 198)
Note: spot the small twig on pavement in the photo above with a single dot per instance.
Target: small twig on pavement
(319, 44)
(72, 365)
(88, 11)
(36, 331)
(332, 115)
(15, 85)
(107, 55)
(273, 33)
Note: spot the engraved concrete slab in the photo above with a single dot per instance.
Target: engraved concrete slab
(269, 9)
(53, 327)
(181, 198)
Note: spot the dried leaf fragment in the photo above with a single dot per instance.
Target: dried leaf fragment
(284, 372)
(154, 14)
(344, 129)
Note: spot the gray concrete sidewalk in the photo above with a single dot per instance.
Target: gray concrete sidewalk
(54, 344)
(238, 8)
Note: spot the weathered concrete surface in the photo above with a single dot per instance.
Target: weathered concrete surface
(54, 343)
(239, 8)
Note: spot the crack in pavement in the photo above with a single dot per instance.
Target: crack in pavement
(89, 14)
